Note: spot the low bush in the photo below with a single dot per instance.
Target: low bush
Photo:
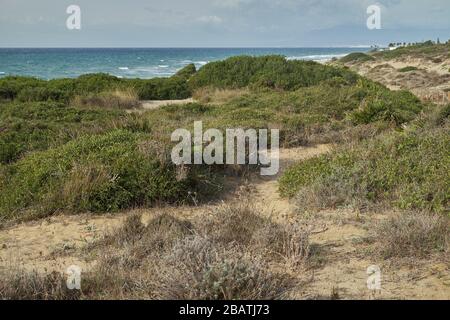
(407, 170)
(92, 85)
(100, 173)
(37, 126)
(265, 72)
(408, 69)
(197, 270)
(380, 104)
(356, 57)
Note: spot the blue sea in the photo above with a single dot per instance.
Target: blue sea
(137, 62)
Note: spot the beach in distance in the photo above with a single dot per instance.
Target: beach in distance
(138, 62)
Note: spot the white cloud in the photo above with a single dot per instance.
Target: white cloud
(210, 19)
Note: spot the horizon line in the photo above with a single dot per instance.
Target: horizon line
(200, 47)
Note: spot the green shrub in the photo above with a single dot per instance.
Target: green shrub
(187, 71)
(381, 104)
(161, 88)
(63, 90)
(357, 57)
(407, 170)
(265, 72)
(303, 174)
(34, 126)
(101, 173)
(11, 86)
(408, 69)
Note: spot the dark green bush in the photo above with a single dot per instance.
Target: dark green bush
(357, 57)
(381, 104)
(187, 71)
(33, 126)
(265, 72)
(63, 90)
(11, 86)
(161, 88)
(408, 69)
(100, 173)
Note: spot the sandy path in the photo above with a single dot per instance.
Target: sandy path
(155, 104)
(34, 244)
(339, 245)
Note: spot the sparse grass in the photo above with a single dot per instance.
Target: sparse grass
(289, 243)
(220, 96)
(412, 234)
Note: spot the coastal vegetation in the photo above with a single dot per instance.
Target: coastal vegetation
(428, 50)
(81, 141)
(87, 146)
(357, 57)
(406, 169)
(63, 90)
(408, 69)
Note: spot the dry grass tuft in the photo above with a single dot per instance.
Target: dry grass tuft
(413, 234)
(198, 269)
(214, 95)
(289, 242)
(234, 223)
(18, 284)
(117, 99)
(235, 254)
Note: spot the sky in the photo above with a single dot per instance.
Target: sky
(220, 23)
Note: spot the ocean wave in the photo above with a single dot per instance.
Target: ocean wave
(1, 72)
(163, 66)
(163, 73)
(317, 57)
(124, 68)
(202, 63)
